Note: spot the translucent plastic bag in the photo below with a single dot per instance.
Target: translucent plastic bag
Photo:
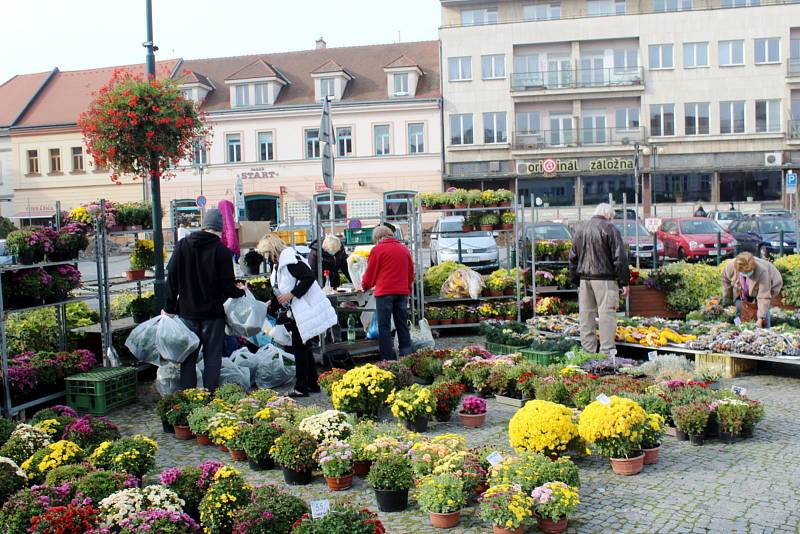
(245, 315)
(421, 336)
(463, 283)
(142, 341)
(272, 370)
(168, 379)
(373, 331)
(234, 374)
(244, 358)
(356, 266)
(174, 341)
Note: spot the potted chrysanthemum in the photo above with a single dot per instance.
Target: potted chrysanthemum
(553, 503)
(507, 508)
(613, 427)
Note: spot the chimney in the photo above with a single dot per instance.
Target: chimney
(321, 44)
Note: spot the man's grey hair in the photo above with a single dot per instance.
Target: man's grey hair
(381, 232)
(604, 210)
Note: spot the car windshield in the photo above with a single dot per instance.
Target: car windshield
(775, 226)
(729, 215)
(627, 229)
(698, 226)
(453, 227)
(550, 232)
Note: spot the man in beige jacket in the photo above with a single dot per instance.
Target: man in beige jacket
(753, 280)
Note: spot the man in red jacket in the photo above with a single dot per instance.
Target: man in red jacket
(390, 271)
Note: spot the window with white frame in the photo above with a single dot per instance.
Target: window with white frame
(344, 141)
(327, 87)
(262, 94)
(266, 147)
(461, 129)
(627, 118)
(186, 94)
(593, 127)
(696, 118)
(242, 95)
(382, 147)
(545, 11)
(33, 162)
(311, 137)
(528, 122)
(740, 3)
(400, 82)
(493, 67)
(199, 151)
(731, 53)
(486, 15)
(695, 55)
(494, 127)
(77, 159)
(768, 50)
(626, 60)
(416, 138)
(597, 8)
(768, 116)
(671, 5)
(234, 144)
(662, 120)
(459, 68)
(55, 160)
(661, 56)
(731, 117)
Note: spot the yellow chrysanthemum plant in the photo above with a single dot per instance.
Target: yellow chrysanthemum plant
(412, 402)
(48, 458)
(506, 506)
(543, 426)
(362, 390)
(614, 428)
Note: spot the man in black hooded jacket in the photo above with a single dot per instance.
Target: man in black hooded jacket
(199, 281)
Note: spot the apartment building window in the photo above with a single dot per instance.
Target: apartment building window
(234, 144)
(768, 116)
(459, 68)
(662, 120)
(461, 129)
(416, 138)
(626, 60)
(382, 147)
(661, 56)
(77, 159)
(731, 117)
(493, 67)
(528, 121)
(400, 84)
(262, 94)
(740, 3)
(598, 8)
(696, 118)
(494, 127)
(768, 50)
(472, 17)
(627, 118)
(242, 95)
(33, 162)
(731, 53)
(266, 147)
(695, 55)
(55, 160)
(561, 131)
(199, 152)
(344, 141)
(593, 127)
(546, 11)
(312, 143)
(327, 87)
(671, 5)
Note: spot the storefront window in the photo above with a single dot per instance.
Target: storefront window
(552, 191)
(691, 187)
(597, 188)
(760, 185)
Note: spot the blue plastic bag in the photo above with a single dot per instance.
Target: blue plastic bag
(372, 331)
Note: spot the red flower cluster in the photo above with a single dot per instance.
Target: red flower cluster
(70, 519)
(448, 395)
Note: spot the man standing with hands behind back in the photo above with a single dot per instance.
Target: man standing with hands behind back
(599, 259)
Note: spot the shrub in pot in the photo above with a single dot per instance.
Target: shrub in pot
(53, 455)
(335, 458)
(448, 396)
(544, 427)
(432, 315)
(187, 484)
(98, 485)
(652, 433)
(413, 405)
(507, 220)
(362, 437)
(12, 478)
(612, 427)
(327, 379)
(199, 419)
(258, 439)
(178, 417)
(553, 503)
(731, 414)
(236, 443)
(342, 518)
(226, 496)
(391, 477)
(88, 432)
(507, 508)
(692, 418)
(269, 511)
(442, 497)
(489, 221)
(294, 452)
(135, 455)
(362, 390)
(403, 377)
(755, 413)
(473, 412)
(163, 407)
(141, 308)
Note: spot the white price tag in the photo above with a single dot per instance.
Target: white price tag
(739, 390)
(494, 458)
(602, 398)
(570, 355)
(320, 508)
(737, 321)
(652, 355)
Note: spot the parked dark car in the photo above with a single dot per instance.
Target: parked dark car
(629, 214)
(762, 235)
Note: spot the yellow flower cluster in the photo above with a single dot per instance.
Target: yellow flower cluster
(80, 214)
(454, 442)
(651, 336)
(515, 501)
(224, 433)
(542, 426)
(196, 395)
(571, 370)
(619, 421)
(363, 387)
(264, 414)
(412, 402)
(98, 453)
(225, 472)
(144, 439)
(131, 455)
(59, 453)
(48, 425)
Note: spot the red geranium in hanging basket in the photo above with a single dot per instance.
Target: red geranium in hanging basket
(140, 127)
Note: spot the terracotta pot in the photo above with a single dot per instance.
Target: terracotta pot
(496, 292)
(650, 302)
(239, 456)
(470, 420)
(467, 227)
(183, 432)
(628, 466)
(223, 448)
(505, 204)
(461, 320)
(491, 205)
(487, 227)
(203, 440)
(548, 526)
(507, 226)
(361, 469)
(445, 321)
(340, 483)
(509, 291)
(481, 488)
(459, 206)
(651, 455)
(445, 520)
(134, 274)
(501, 530)
(391, 500)
(433, 322)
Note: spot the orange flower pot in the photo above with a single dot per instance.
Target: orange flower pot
(501, 530)
(628, 466)
(361, 469)
(445, 520)
(340, 483)
(548, 526)
(471, 421)
(651, 455)
(203, 440)
(239, 456)
(183, 433)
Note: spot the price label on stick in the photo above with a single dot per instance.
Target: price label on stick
(739, 390)
(602, 398)
(570, 355)
(652, 355)
(494, 458)
(320, 508)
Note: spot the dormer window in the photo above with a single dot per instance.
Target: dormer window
(330, 80)
(402, 77)
(255, 84)
(195, 87)
(327, 87)
(242, 95)
(400, 84)
(262, 94)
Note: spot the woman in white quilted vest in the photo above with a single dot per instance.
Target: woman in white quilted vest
(300, 305)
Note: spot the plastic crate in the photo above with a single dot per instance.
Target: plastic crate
(358, 236)
(540, 357)
(300, 236)
(729, 366)
(499, 349)
(100, 391)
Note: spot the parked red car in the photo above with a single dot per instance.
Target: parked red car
(688, 238)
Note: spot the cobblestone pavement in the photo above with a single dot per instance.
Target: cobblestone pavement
(746, 487)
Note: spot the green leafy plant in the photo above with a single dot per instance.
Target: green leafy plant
(691, 418)
(432, 313)
(142, 306)
(260, 288)
(508, 217)
(98, 485)
(731, 414)
(199, 418)
(489, 219)
(284, 511)
(474, 198)
(391, 472)
(441, 494)
(143, 255)
(458, 197)
(259, 439)
(6, 227)
(294, 450)
(688, 285)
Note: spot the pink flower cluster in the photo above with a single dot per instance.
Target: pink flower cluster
(473, 405)
(207, 471)
(169, 476)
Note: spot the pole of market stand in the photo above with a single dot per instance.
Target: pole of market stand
(155, 177)
(636, 200)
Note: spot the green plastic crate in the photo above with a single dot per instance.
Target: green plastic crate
(101, 390)
(497, 348)
(540, 357)
(358, 236)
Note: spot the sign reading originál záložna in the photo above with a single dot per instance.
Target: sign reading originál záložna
(553, 166)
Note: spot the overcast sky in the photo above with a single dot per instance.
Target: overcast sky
(37, 35)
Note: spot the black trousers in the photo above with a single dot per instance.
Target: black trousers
(305, 365)
(388, 307)
(212, 341)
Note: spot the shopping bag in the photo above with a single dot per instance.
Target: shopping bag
(168, 379)
(142, 341)
(234, 374)
(421, 336)
(245, 315)
(275, 367)
(174, 341)
(748, 311)
(373, 331)
(356, 266)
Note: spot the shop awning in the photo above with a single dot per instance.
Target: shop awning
(34, 214)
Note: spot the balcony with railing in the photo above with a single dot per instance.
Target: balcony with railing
(793, 131)
(577, 137)
(793, 68)
(589, 80)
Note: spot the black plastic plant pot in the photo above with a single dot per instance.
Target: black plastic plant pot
(296, 478)
(168, 428)
(261, 465)
(392, 500)
(697, 440)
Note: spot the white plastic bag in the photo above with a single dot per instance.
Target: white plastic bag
(272, 371)
(142, 341)
(234, 374)
(244, 358)
(421, 336)
(174, 341)
(463, 283)
(168, 379)
(245, 315)
(356, 266)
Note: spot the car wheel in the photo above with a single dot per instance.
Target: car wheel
(763, 252)
(681, 254)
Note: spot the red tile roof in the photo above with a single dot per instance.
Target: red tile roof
(329, 66)
(17, 93)
(193, 77)
(402, 61)
(257, 69)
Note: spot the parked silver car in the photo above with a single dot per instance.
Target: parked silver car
(725, 218)
(478, 250)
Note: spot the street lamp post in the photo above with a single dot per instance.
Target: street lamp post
(635, 201)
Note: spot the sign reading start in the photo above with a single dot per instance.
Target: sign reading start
(554, 167)
(256, 173)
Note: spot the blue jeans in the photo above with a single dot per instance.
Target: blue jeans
(388, 307)
(769, 313)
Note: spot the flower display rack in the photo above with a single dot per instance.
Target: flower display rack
(730, 366)
(101, 390)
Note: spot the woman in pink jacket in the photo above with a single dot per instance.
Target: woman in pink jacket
(229, 236)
